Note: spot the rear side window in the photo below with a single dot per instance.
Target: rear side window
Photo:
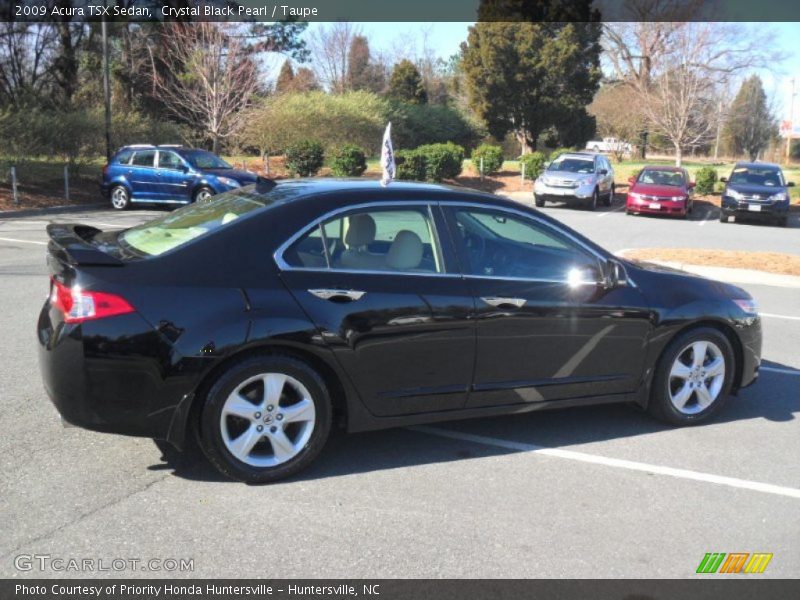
(144, 158)
(124, 157)
(379, 239)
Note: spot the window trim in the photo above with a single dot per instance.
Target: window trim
(319, 221)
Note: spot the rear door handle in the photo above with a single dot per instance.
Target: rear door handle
(498, 301)
(335, 295)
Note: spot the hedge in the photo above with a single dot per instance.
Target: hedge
(492, 158)
(348, 161)
(305, 158)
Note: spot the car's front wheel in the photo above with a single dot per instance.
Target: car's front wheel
(120, 197)
(539, 200)
(204, 193)
(265, 418)
(693, 377)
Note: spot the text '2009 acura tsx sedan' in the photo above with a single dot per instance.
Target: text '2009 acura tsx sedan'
(259, 318)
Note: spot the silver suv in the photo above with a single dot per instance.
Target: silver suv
(576, 177)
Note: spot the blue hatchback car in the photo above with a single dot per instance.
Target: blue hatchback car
(168, 174)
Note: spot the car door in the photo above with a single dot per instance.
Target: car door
(387, 299)
(607, 178)
(546, 328)
(142, 175)
(173, 180)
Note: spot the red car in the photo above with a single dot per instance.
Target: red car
(662, 191)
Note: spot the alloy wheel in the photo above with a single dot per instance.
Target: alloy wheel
(119, 198)
(202, 195)
(696, 377)
(267, 419)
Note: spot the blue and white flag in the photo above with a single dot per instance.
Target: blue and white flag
(387, 157)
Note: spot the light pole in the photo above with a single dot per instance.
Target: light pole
(106, 87)
(791, 124)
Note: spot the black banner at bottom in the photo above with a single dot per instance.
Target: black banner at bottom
(730, 588)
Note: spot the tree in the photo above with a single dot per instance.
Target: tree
(752, 125)
(362, 74)
(406, 83)
(330, 48)
(614, 109)
(285, 80)
(208, 79)
(525, 77)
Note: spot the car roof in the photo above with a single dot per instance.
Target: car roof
(757, 165)
(590, 155)
(663, 168)
(313, 186)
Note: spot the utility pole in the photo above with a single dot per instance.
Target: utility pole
(106, 88)
(791, 124)
(719, 128)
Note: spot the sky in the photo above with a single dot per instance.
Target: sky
(445, 39)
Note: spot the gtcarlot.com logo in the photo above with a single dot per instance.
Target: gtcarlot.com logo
(734, 562)
(46, 562)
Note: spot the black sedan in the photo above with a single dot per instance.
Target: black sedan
(259, 318)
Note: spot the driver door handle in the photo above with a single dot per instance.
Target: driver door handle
(498, 301)
(335, 295)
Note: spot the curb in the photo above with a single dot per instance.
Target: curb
(51, 210)
(731, 275)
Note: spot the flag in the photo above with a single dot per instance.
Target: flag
(387, 157)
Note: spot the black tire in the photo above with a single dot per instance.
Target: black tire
(594, 200)
(723, 218)
(120, 198)
(538, 200)
(660, 405)
(210, 428)
(783, 221)
(201, 192)
(610, 197)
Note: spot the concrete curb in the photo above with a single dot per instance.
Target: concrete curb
(729, 275)
(51, 210)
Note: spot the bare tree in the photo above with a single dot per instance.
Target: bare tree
(205, 77)
(26, 53)
(330, 49)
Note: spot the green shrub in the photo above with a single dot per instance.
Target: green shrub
(416, 124)
(705, 178)
(492, 158)
(305, 158)
(349, 161)
(410, 165)
(534, 164)
(442, 161)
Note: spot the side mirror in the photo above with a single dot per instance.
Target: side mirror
(616, 276)
(723, 179)
(603, 171)
(790, 184)
(692, 185)
(631, 180)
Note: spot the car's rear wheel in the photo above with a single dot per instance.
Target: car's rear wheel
(610, 197)
(539, 200)
(204, 193)
(265, 418)
(693, 377)
(120, 197)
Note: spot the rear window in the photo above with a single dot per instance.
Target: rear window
(197, 219)
(123, 157)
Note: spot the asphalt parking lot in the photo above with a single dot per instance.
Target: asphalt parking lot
(597, 492)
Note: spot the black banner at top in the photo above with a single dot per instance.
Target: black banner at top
(401, 10)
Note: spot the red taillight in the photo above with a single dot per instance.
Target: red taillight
(105, 170)
(78, 305)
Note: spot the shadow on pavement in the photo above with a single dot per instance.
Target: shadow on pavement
(773, 397)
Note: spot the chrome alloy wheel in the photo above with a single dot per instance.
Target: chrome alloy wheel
(119, 198)
(267, 420)
(202, 195)
(696, 377)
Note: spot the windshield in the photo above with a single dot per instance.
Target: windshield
(201, 159)
(756, 176)
(657, 177)
(197, 219)
(573, 165)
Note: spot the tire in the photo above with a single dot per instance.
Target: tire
(120, 197)
(281, 447)
(202, 193)
(674, 384)
(723, 218)
(538, 200)
(783, 221)
(608, 199)
(593, 202)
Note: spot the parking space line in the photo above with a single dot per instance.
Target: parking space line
(773, 316)
(777, 370)
(705, 220)
(603, 214)
(5, 239)
(630, 465)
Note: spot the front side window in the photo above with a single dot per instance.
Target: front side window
(202, 159)
(169, 160)
(144, 158)
(498, 244)
(379, 239)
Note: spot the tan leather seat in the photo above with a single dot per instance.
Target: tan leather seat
(405, 253)
(360, 234)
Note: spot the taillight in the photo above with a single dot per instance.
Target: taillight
(78, 305)
(105, 169)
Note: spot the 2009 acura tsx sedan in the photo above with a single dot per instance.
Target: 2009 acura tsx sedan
(258, 318)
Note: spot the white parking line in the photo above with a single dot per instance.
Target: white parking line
(777, 370)
(603, 214)
(709, 212)
(772, 316)
(5, 239)
(630, 465)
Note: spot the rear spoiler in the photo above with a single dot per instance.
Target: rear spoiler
(70, 243)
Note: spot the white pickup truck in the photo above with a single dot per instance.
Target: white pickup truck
(609, 144)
